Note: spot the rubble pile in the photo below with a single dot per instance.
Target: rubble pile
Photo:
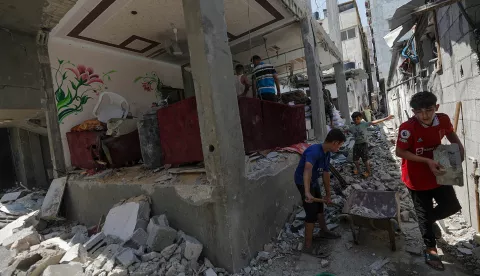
(129, 243)
(18, 202)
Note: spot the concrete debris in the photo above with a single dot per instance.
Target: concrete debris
(124, 219)
(449, 157)
(27, 235)
(118, 271)
(55, 243)
(94, 240)
(210, 272)
(364, 212)
(11, 196)
(192, 248)
(77, 253)
(71, 269)
(324, 263)
(159, 235)
(53, 199)
(126, 257)
(20, 223)
(138, 239)
(405, 216)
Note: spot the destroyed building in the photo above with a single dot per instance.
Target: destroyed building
(102, 59)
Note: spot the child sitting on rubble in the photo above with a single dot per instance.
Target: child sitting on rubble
(417, 139)
(314, 163)
(360, 149)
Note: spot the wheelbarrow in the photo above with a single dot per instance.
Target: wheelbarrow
(383, 212)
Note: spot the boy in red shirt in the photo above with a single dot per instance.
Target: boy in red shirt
(417, 139)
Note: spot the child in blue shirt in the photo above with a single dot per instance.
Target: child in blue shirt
(314, 163)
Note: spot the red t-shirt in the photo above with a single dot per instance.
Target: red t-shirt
(421, 140)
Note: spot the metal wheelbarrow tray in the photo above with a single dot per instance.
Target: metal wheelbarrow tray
(382, 211)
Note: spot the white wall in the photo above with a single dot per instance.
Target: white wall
(127, 68)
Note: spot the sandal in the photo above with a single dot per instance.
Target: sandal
(330, 235)
(316, 251)
(429, 258)
(366, 174)
(355, 171)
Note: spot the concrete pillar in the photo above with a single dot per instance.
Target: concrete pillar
(313, 70)
(220, 129)
(53, 128)
(28, 158)
(334, 23)
(341, 83)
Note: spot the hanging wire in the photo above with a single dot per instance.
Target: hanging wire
(249, 31)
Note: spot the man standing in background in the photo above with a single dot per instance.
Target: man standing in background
(265, 80)
(241, 81)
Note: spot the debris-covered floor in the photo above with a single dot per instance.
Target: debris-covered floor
(128, 241)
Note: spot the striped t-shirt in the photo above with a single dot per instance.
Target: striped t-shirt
(263, 77)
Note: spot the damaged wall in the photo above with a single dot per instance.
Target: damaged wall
(134, 78)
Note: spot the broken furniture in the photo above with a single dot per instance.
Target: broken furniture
(95, 150)
(265, 125)
(379, 210)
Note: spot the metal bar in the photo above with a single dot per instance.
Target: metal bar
(405, 81)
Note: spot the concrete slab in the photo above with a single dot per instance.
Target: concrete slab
(53, 199)
(6, 256)
(127, 257)
(21, 222)
(122, 220)
(29, 235)
(72, 269)
(10, 197)
(77, 253)
(160, 236)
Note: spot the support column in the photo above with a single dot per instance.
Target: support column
(220, 129)
(341, 82)
(319, 121)
(53, 128)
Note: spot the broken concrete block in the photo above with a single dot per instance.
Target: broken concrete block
(465, 251)
(160, 220)
(47, 260)
(6, 256)
(139, 238)
(159, 236)
(168, 251)
(53, 199)
(122, 220)
(16, 225)
(28, 235)
(72, 269)
(77, 253)
(210, 272)
(449, 157)
(119, 271)
(11, 196)
(56, 243)
(80, 238)
(108, 253)
(324, 263)
(263, 256)
(150, 256)
(94, 240)
(126, 257)
(357, 187)
(79, 229)
(192, 248)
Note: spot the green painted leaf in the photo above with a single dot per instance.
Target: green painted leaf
(73, 85)
(66, 101)
(137, 79)
(64, 76)
(59, 94)
(62, 115)
(84, 99)
(60, 61)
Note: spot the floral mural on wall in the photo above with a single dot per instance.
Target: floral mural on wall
(151, 82)
(74, 85)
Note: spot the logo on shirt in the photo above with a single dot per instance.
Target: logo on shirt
(419, 151)
(405, 134)
(419, 140)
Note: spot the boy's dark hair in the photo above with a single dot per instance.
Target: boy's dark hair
(335, 135)
(255, 57)
(423, 99)
(239, 68)
(356, 114)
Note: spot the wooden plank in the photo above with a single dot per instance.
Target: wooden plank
(457, 115)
